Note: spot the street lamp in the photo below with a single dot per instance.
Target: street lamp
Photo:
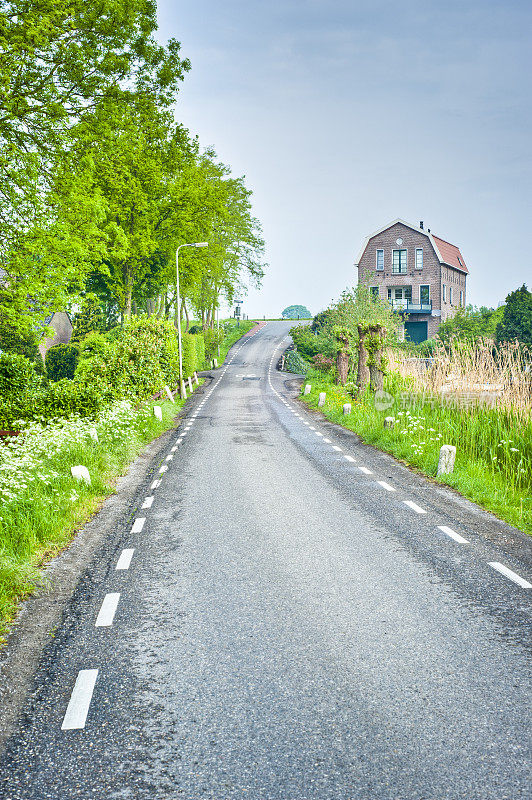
(192, 244)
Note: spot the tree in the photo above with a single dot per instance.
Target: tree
(88, 320)
(59, 60)
(470, 323)
(296, 312)
(516, 322)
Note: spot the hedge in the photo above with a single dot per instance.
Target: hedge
(61, 361)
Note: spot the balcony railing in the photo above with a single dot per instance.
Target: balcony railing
(408, 307)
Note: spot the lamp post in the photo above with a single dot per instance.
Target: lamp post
(180, 346)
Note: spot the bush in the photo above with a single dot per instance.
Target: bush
(323, 363)
(194, 329)
(18, 378)
(135, 362)
(19, 385)
(213, 338)
(189, 354)
(200, 351)
(294, 363)
(61, 361)
(64, 398)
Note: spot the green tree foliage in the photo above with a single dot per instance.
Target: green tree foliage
(296, 312)
(471, 323)
(61, 361)
(59, 59)
(516, 322)
(88, 320)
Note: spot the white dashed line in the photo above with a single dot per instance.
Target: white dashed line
(414, 507)
(386, 486)
(80, 700)
(335, 447)
(155, 485)
(318, 433)
(173, 449)
(138, 525)
(169, 457)
(327, 441)
(349, 458)
(163, 469)
(365, 470)
(125, 558)
(453, 534)
(107, 610)
(148, 502)
(510, 574)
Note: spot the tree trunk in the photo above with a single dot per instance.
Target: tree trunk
(342, 366)
(363, 369)
(376, 371)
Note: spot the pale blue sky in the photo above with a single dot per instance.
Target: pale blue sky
(346, 115)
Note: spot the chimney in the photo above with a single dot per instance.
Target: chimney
(421, 224)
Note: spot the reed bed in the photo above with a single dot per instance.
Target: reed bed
(500, 377)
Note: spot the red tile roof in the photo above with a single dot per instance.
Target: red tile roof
(450, 254)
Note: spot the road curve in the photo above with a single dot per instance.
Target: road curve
(286, 614)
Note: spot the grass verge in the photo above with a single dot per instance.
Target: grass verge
(493, 460)
(233, 334)
(43, 506)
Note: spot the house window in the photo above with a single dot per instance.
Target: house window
(461, 298)
(374, 290)
(451, 295)
(400, 295)
(419, 258)
(380, 259)
(444, 293)
(424, 295)
(398, 261)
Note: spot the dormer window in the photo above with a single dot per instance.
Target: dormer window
(380, 259)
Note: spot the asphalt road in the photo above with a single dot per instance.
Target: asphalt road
(286, 627)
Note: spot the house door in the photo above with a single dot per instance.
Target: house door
(416, 331)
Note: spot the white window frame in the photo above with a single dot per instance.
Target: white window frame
(444, 293)
(421, 302)
(450, 295)
(461, 298)
(400, 250)
(379, 250)
(418, 250)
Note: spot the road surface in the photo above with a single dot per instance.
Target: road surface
(285, 614)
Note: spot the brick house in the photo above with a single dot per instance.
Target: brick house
(421, 275)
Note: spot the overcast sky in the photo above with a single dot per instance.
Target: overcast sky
(346, 115)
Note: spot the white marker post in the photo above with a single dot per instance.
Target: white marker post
(158, 413)
(347, 408)
(169, 394)
(190, 385)
(196, 378)
(93, 433)
(446, 460)
(321, 401)
(308, 387)
(81, 473)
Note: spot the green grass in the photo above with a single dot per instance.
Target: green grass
(494, 447)
(42, 521)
